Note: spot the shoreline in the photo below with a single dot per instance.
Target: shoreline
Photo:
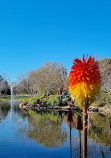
(91, 109)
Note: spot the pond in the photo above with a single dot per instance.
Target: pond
(49, 134)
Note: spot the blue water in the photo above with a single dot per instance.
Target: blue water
(47, 135)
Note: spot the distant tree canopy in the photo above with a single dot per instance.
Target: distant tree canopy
(22, 87)
(52, 77)
(105, 69)
(4, 86)
(47, 79)
(66, 85)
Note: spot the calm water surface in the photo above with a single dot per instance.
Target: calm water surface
(50, 135)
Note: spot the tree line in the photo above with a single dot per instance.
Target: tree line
(47, 79)
(50, 78)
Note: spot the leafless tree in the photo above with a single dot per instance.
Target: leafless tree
(49, 78)
(22, 84)
(105, 70)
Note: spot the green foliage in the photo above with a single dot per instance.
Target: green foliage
(31, 113)
(5, 91)
(67, 98)
(44, 101)
(41, 91)
(32, 100)
(53, 100)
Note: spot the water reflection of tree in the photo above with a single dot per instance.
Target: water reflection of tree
(100, 129)
(4, 108)
(47, 130)
(22, 113)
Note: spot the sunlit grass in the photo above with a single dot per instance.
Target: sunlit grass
(16, 97)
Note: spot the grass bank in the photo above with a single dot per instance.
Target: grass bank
(17, 97)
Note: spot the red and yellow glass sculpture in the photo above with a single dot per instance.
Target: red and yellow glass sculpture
(84, 80)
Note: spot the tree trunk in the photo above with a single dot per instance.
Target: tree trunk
(84, 132)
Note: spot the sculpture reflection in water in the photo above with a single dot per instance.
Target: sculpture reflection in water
(77, 121)
(85, 133)
(70, 120)
(79, 128)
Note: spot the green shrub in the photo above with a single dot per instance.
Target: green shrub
(67, 98)
(32, 100)
(31, 113)
(44, 101)
(38, 101)
(53, 100)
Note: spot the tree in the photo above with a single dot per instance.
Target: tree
(34, 81)
(22, 85)
(48, 78)
(4, 86)
(66, 85)
(105, 70)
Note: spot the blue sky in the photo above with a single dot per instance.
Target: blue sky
(36, 31)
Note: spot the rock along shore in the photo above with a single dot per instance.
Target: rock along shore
(38, 107)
